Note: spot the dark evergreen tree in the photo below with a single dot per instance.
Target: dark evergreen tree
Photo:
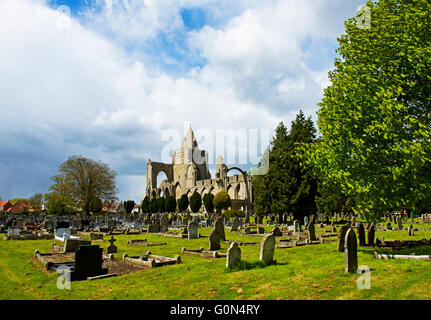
(208, 202)
(288, 186)
(183, 203)
(129, 205)
(195, 202)
(170, 204)
(145, 205)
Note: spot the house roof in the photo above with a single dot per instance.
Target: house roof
(2, 203)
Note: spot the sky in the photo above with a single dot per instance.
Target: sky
(121, 81)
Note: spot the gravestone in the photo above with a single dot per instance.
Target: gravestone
(154, 228)
(236, 224)
(267, 249)
(399, 223)
(311, 232)
(350, 253)
(164, 223)
(305, 221)
(219, 227)
(296, 226)
(214, 239)
(411, 231)
(276, 232)
(371, 234)
(361, 234)
(389, 226)
(112, 248)
(88, 262)
(341, 238)
(247, 230)
(353, 221)
(72, 245)
(260, 230)
(233, 255)
(193, 230)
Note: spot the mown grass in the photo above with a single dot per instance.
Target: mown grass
(308, 272)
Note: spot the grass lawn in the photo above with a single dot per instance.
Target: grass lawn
(308, 272)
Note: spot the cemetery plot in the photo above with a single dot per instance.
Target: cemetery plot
(145, 243)
(403, 257)
(150, 260)
(402, 244)
(203, 253)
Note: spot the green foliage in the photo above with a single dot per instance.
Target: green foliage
(234, 214)
(183, 203)
(35, 202)
(15, 200)
(195, 202)
(96, 206)
(85, 180)
(374, 117)
(288, 186)
(208, 199)
(129, 205)
(170, 204)
(145, 205)
(330, 199)
(222, 201)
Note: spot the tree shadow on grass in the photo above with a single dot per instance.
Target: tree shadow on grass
(245, 265)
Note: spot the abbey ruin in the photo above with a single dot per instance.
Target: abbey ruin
(188, 172)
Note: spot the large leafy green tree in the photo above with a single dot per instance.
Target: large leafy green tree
(288, 186)
(375, 117)
(86, 180)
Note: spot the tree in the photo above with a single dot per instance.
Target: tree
(375, 117)
(15, 200)
(145, 205)
(170, 204)
(195, 202)
(59, 201)
(96, 206)
(288, 186)
(183, 203)
(129, 205)
(222, 201)
(87, 180)
(208, 202)
(35, 202)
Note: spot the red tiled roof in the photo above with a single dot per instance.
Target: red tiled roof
(2, 203)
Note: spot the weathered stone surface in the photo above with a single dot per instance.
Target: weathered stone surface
(233, 256)
(296, 226)
(112, 248)
(154, 228)
(276, 232)
(164, 223)
(219, 227)
(350, 252)
(341, 238)
(72, 245)
(311, 231)
(267, 249)
(411, 231)
(361, 234)
(193, 230)
(371, 234)
(214, 240)
(236, 224)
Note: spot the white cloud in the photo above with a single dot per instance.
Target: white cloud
(72, 90)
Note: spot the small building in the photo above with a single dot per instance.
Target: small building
(5, 205)
(18, 208)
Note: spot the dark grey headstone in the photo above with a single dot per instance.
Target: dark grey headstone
(350, 253)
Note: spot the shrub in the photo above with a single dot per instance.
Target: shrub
(234, 214)
(170, 204)
(222, 201)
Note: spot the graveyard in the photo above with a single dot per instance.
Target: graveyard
(296, 269)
